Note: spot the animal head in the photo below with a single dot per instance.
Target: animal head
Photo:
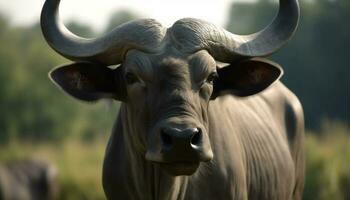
(168, 76)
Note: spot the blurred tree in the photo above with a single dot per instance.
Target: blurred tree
(81, 29)
(246, 18)
(315, 61)
(32, 107)
(119, 18)
(3, 24)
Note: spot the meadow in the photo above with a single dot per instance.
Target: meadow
(80, 163)
(328, 163)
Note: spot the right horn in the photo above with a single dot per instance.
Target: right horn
(109, 49)
(274, 36)
(227, 47)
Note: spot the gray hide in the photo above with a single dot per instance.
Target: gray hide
(187, 127)
(28, 180)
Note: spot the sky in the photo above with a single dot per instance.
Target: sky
(96, 12)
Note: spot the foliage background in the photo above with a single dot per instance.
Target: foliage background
(39, 120)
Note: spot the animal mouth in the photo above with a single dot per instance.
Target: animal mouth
(179, 168)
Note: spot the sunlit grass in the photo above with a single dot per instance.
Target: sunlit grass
(79, 164)
(328, 163)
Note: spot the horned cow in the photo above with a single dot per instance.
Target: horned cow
(189, 128)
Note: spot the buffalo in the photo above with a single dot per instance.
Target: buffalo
(28, 179)
(188, 126)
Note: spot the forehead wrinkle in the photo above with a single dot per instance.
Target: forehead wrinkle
(174, 69)
(201, 65)
(140, 64)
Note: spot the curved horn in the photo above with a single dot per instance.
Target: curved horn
(193, 34)
(109, 49)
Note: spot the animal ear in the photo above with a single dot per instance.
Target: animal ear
(89, 81)
(246, 78)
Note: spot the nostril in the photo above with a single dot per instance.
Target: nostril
(166, 139)
(197, 137)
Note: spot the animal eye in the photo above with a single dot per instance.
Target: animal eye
(212, 77)
(130, 78)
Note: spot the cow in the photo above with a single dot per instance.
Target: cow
(28, 179)
(189, 127)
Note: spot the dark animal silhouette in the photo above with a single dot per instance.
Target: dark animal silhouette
(28, 179)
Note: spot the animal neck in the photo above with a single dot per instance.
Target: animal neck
(143, 174)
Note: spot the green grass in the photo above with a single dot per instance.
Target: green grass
(328, 163)
(80, 164)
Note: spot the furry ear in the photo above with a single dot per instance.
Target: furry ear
(247, 78)
(89, 81)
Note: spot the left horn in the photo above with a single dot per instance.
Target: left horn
(109, 49)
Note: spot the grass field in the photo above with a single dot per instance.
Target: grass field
(328, 163)
(80, 164)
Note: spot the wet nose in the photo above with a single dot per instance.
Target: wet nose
(190, 138)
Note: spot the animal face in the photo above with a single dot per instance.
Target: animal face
(168, 95)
